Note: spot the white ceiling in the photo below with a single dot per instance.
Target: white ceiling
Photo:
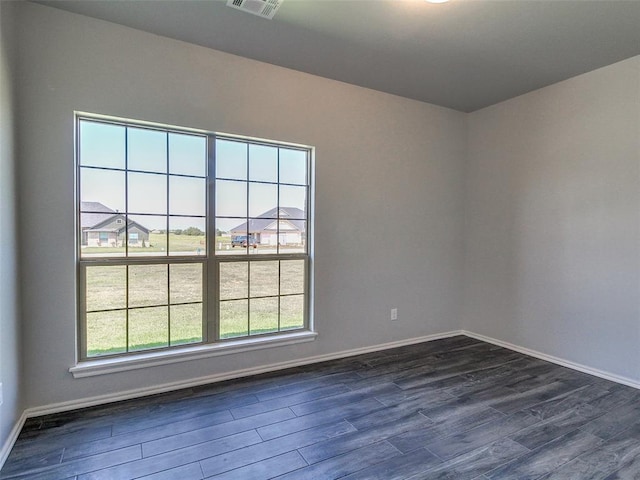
(465, 55)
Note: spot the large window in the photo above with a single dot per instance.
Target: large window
(187, 238)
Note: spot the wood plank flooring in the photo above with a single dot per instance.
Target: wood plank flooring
(455, 408)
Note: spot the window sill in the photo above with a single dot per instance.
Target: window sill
(104, 366)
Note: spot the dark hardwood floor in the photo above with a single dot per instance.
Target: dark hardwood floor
(449, 409)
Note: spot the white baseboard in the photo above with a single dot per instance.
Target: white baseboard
(558, 361)
(13, 436)
(167, 387)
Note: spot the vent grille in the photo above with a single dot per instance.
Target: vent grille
(262, 8)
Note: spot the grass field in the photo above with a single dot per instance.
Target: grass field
(162, 305)
(182, 245)
(191, 244)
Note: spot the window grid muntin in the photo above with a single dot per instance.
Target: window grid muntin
(219, 260)
(126, 171)
(121, 261)
(248, 257)
(246, 180)
(128, 259)
(210, 301)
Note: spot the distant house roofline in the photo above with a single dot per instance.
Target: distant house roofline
(94, 215)
(294, 216)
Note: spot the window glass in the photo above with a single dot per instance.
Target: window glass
(102, 190)
(231, 199)
(187, 155)
(187, 196)
(102, 145)
(147, 150)
(147, 193)
(187, 236)
(233, 318)
(148, 328)
(263, 163)
(231, 159)
(293, 166)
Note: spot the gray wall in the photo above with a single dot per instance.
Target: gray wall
(552, 220)
(10, 364)
(388, 207)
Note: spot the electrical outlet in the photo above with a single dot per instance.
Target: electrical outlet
(394, 314)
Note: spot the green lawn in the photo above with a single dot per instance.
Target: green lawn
(165, 303)
(190, 244)
(181, 245)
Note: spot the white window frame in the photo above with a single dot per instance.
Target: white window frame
(211, 344)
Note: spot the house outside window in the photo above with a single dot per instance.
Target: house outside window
(160, 212)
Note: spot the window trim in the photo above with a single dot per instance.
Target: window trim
(158, 357)
(211, 344)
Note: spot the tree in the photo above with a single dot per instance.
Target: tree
(193, 231)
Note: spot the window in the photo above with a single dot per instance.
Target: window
(187, 238)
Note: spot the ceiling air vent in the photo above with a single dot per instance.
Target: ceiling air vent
(262, 8)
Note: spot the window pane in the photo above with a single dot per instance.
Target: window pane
(291, 277)
(102, 144)
(263, 279)
(187, 196)
(292, 236)
(151, 235)
(100, 221)
(291, 312)
(147, 193)
(101, 190)
(187, 236)
(231, 159)
(147, 150)
(186, 324)
(293, 166)
(234, 318)
(185, 283)
(106, 333)
(266, 242)
(234, 280)
(231, 235)
(231, 199)
(263, 200)
(148, 285)
(187, 154)
(293, 200)
(263, 163)
(106, 288)
(263, 313)
(148, 328)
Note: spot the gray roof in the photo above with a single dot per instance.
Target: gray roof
(95, 207)
(93, 213)
(89, 220)
(293, 215)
